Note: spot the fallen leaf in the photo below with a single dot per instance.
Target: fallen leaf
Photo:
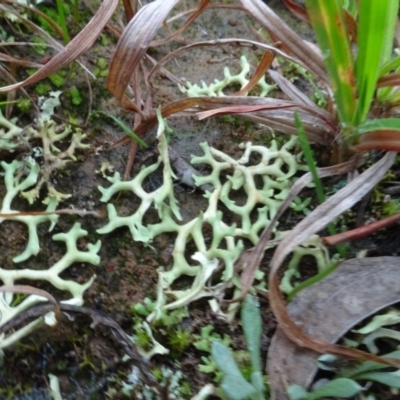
(326, 311)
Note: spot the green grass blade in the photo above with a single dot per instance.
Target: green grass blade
(374, 46)
(125, 128)
(62, 21)
(310, 281)
(329, 25)
(308, 155)
(382, 124)
(390, 65)
(391, 19)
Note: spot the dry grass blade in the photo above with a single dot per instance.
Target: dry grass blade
(279, 115)
(16, 61)
(318, 129)
(287, 36)
(389, 80)
(297, 10)
(360, 232)
(290, 90)
(133, 44)
(264, 65)
(314, 222)
(26, 289)
(387, 140)
(130, 9)
(6, 76)
(79, 45)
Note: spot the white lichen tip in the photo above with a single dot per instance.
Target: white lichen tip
(217, 88)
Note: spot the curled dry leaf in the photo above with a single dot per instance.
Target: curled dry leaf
(132, 46)
(319, 129)
(77, 46)
(287, 36)
(262, 67)
(326, 311)
(387, 140)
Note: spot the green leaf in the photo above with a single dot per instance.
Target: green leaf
(252, 324)
(389, 66)
(391, 379)
(257, 382)
(296, 392)
(235, 389)
(340, 387)
(225, 361)
(379, 125)
(375, 25)
(367, 366)
(233, 383)
(329, 25)
(127, 130)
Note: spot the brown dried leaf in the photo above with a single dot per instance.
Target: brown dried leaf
(318, 128)
(290, 90)
(287, 36)
(387, 140)
(326, 311)
(389, 80)
(133, 44)
(264, 65)
(78, 45)
(297, 10)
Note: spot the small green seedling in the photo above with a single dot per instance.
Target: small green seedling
(125, 128)
(346, 384)
(339, 388)
(234, 385)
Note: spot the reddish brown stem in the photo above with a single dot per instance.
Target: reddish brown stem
(361, 232)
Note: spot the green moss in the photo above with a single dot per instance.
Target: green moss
(143, 340)
(42, 89)
(57, 79)
(104, 40)
(75, 96)
(391, 207)
(24, 105)
(31, 71)
(179, 340)
(102, 63)
(41, 50)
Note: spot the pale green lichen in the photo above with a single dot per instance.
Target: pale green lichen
(51, 275)
(313, 247)
(54, 159)
(10, 134)
(217, 88)
(16, 183)
(26, 178)
(265, 184)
